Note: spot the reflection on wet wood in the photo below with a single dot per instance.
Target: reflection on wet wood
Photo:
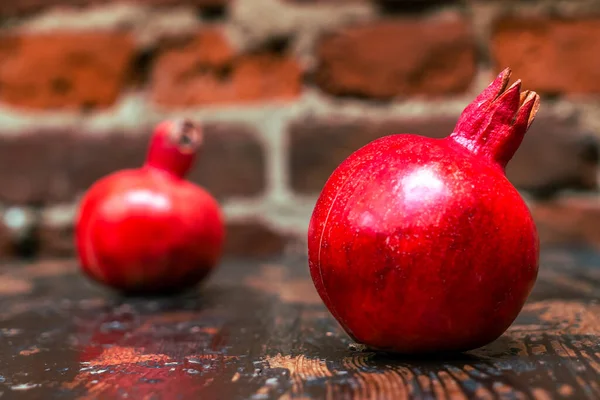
(259, 331)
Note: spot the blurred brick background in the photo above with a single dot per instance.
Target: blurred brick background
(286, 90)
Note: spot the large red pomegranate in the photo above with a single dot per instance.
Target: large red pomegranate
(148, 230)
(420, 245)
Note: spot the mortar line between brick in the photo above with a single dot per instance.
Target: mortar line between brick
(132, 113)
(273, 131)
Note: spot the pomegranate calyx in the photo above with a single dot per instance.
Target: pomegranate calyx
(494, 124)
(174, 146)
(186, 135)
(530, 105)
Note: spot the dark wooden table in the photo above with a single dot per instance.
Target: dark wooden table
(257, 330)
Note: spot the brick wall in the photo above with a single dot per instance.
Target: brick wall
(286, 90)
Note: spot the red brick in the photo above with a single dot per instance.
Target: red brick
(319, 146)
(20, 7)
(550, 55)
(312, 2)
(386, 59)
(34, 167)
(254, 239)
(6, 244)
(208, 71)
(231, 162)
(94, 156)
(64, 70)
(387, 5)
(49, 167)
(570, 220)
(197, 3)
(395, 6)
(555, 155)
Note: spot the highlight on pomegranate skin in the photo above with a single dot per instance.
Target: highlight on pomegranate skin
(148, 230)
(421, 245)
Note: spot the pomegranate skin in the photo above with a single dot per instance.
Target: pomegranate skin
(420, 245)
(148, 230)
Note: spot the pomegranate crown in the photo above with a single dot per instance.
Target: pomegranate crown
(174, 145)
(494, 124)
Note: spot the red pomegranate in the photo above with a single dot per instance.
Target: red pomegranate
(420, 245)
(148, 230)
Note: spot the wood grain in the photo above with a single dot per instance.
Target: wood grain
(259, 331)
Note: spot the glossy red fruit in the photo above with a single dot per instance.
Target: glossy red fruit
(148, 230)
(420, 245)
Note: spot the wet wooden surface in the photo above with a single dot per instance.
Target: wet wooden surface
(257, 330)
